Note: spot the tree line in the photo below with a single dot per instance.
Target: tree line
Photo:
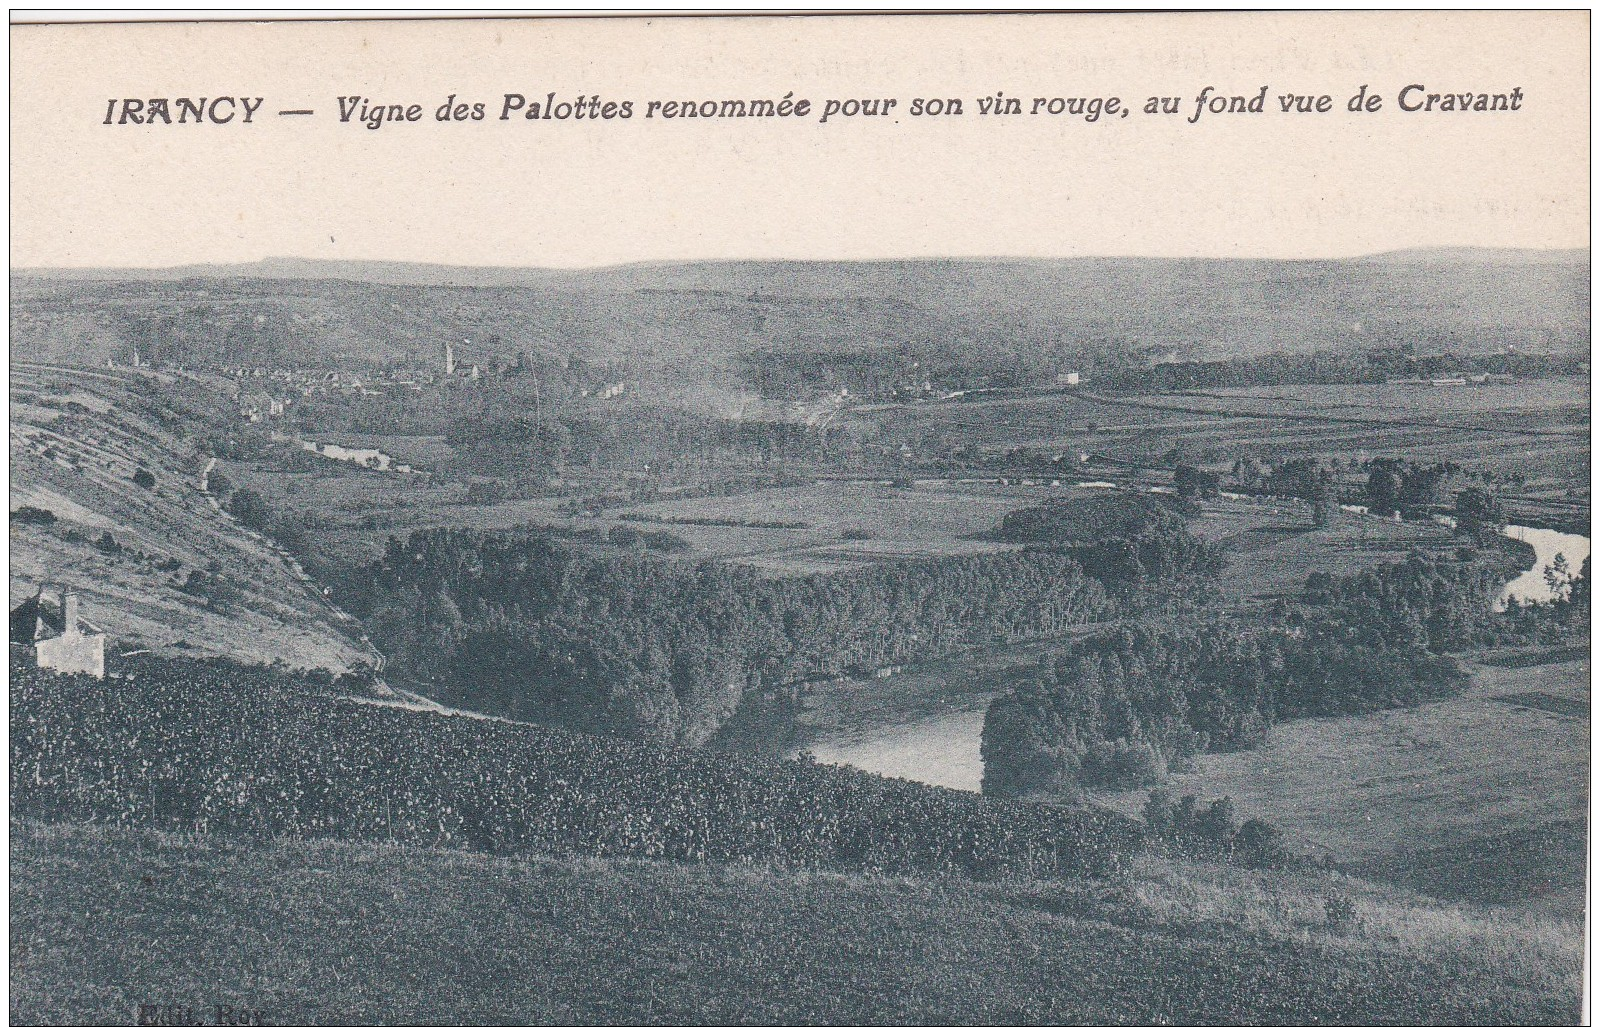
(1124, 705)
(1375, 365)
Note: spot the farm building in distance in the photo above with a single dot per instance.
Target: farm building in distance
(58, 635)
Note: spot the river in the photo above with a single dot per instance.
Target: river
(1547, 543)
(941, 747)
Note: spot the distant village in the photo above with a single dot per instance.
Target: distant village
(269, 392)
(266, 393)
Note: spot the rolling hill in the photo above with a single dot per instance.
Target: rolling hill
(159, 566)
(692, 319)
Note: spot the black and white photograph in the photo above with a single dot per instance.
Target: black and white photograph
(772, 519)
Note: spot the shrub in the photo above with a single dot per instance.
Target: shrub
(250, 509)
(144, 479)
(1260, 844)
(482, 493)
(664, 542)
(32, 515)
(1192, 483)
(1158, 814)
(1212, 833)
(1185, 813)
(1216, 825)
(218, 593)
(219, 484)
(624, 536)
(1340, 909)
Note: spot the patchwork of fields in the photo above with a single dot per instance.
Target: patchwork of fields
(1539, 429)
(1536, 430)
(824, 526)
(835, 525)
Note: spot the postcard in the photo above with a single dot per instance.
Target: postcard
(971, 518)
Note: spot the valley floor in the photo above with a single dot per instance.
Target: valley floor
(104, 920)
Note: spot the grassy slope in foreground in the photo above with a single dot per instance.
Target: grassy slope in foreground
(321, 932)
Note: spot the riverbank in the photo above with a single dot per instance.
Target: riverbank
(925, 723)
(922, 723)
(1546, 544)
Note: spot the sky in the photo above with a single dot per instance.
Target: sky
(588, 192)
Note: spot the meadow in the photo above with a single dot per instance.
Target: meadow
(1272, 546)
(330, 932)
(1481, 797)
(846, 522)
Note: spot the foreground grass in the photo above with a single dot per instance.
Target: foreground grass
(320, 932)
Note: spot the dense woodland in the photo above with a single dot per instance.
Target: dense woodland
(538, 628)
(1124, 705)
(1128, 542)
(523, 624)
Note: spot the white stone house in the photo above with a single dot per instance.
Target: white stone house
(58, 635)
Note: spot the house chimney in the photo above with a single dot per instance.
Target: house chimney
(69, 612)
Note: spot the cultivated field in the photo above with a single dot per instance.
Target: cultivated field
(321, 932)
(786, 530)
(1537, 428)
(835, 525)
(1484, 796)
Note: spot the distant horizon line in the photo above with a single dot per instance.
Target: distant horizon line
(667, 261)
